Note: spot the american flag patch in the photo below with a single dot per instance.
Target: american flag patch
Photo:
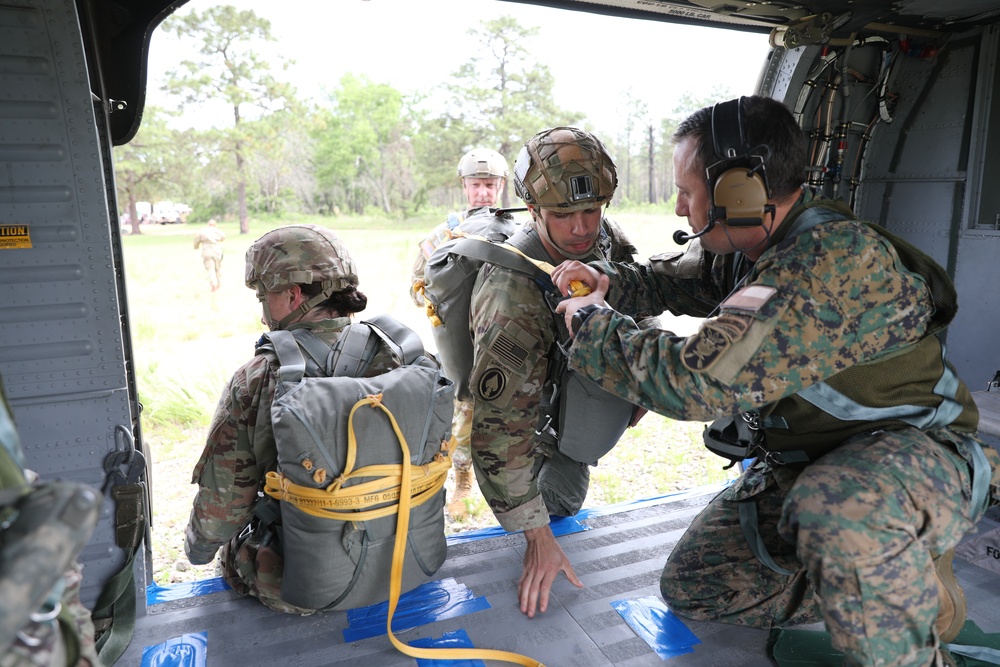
(751, 298)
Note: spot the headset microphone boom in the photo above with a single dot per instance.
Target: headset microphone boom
(681, 237)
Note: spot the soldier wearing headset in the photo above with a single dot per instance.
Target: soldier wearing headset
(819, 358)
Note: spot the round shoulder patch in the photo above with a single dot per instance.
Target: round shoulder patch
(492, 383)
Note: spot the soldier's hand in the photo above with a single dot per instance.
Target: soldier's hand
(571, 270)
(543, 561)
(569, 307)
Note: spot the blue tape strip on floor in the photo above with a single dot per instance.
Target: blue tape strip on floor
(561, 525)
(433, 601)
(156, 594)
(564, 525)
(457, 639)
(184, 651)
(655, 624)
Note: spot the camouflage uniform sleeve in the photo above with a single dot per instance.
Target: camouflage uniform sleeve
(684, 283)
(228, 473)
(828, 300)
(512, 331)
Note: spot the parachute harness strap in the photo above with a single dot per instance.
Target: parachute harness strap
(577, 288)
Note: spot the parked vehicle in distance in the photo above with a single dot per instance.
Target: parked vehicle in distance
(170, 213)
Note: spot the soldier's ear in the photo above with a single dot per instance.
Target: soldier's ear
(295, 296)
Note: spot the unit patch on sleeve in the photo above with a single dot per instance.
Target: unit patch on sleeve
(492, 383)
(703, 349)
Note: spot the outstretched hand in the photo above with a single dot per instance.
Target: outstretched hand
(543, 561)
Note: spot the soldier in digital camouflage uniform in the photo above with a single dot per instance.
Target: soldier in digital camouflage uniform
(304, 278)
(483, 172)
(566, 177)
(42, 620)
(869, 471)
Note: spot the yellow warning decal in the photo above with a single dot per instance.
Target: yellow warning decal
(14, 236)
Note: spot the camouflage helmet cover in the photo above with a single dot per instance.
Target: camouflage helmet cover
(299, 255)
(483, 163)
(565, 168)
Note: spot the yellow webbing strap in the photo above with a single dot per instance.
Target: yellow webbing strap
(385, 487)
(407, 486)
(396, 580)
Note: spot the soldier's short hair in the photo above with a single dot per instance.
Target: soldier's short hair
(766, 121)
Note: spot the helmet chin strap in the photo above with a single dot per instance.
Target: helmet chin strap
(544, 233)
(304, 307)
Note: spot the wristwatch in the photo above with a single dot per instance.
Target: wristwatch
(580, 316)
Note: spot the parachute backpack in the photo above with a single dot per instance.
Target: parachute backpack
(448, 280)
(341, 439)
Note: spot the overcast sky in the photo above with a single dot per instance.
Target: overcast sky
(414, 45)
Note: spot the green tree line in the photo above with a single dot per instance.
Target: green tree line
(367, 148)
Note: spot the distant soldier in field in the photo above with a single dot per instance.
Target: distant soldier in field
(210, 240)
(484, 175)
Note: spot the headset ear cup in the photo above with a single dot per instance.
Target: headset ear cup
(740, 197)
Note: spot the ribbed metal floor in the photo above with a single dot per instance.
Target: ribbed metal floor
(618, 557)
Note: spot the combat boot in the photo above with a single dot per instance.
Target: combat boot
(463, 489)
(951, 613)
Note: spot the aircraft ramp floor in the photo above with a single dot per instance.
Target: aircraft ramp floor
(618, 553)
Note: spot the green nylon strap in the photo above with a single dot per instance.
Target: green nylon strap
(983, 654)
(751, 531)
(401, 338)
(834, 403)
(981, 475)
(117, 604)
(70, 635)
(494, 253)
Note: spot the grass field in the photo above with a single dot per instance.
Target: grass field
(188, 340)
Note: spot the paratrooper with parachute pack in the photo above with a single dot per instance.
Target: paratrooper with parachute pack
(527, 463)
(287, 488)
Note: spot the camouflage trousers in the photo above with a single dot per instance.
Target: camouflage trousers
(251, 568)
(213, 266)
(461, 429)
(857, 529)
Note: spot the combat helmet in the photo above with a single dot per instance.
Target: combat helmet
(565, 168)
(483, 163)
(298, 255)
